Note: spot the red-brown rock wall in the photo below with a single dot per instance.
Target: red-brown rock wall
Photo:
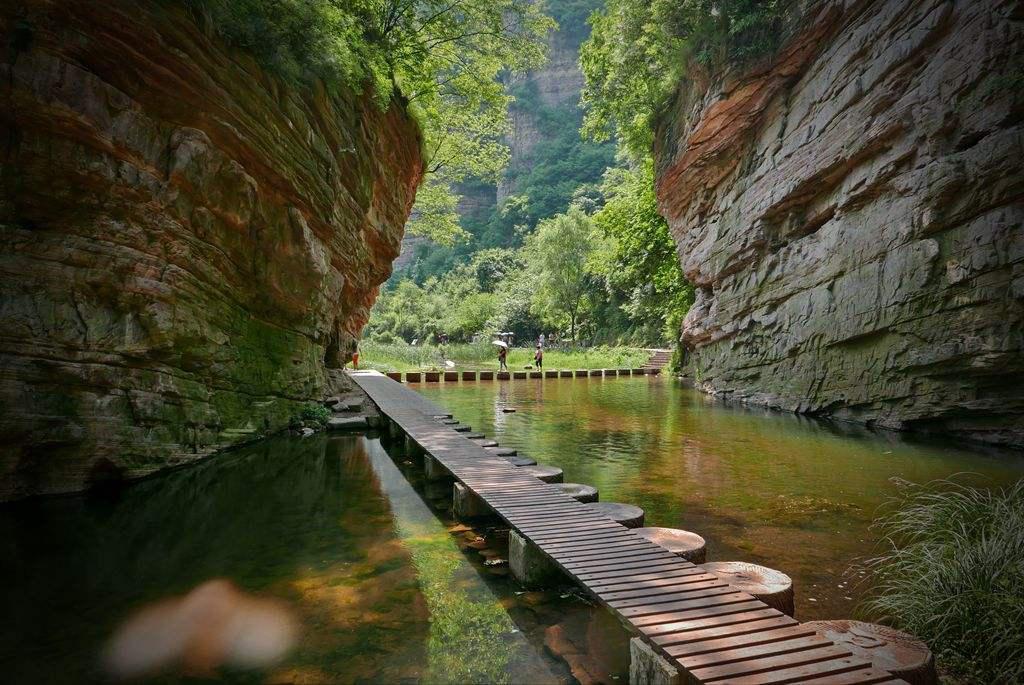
(852, 215)
(186, 241)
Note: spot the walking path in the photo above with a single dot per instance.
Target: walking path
(704, 628)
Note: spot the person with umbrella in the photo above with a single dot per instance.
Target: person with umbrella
(502, 354)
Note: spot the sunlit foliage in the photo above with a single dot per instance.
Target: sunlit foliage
(443, 58)
(642, 261)
(640, 51)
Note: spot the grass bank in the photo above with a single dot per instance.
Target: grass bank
(952, 574)
(402, 357)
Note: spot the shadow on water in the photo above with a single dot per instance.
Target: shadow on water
(384, 589)
(785, 491)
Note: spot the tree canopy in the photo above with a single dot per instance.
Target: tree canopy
(443, 58)
(639, 51)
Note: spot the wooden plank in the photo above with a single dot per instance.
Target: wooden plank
(830, 668)
(631, 608)
(758, 626)
(735, 641)
(650, 592)
(649, 562)
(865, 676)
(595, 562)
(612, 584)
(702, 622)
(730, 656)
(624, 549)
(769, 663)
(716, 607)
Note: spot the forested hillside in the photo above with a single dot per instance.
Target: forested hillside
(613, 276)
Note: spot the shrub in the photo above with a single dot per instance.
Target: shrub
(953, 574)
(315, 413)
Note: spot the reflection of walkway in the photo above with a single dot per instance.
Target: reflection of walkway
(699, 623)
(472, 638)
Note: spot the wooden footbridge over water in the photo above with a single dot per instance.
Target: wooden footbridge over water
(700, 626)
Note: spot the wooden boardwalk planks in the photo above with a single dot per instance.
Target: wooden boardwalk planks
(706, 629)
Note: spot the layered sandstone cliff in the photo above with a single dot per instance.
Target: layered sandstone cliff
(187, 243)
(852, 215)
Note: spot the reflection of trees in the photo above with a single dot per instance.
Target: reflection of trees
(470, 632)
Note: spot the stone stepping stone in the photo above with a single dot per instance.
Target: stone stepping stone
(627, 514)
(462, 429)
(772, 587)
(508, 410)
(340, 423)
(548, 474)
(475, 436)
(887, 649)
(520, 461)
(489, 443)
(501, 451)
(579, 491)
(683, 543)
(450, 422)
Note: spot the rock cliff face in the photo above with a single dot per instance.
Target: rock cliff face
(187, 244)
(557, 85)
(851, 215)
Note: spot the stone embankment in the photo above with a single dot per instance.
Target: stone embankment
(187, 243)
(850, 214)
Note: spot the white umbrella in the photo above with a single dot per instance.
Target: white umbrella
(499, 343)
(449, 363)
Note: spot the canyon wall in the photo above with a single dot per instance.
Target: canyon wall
(187, 243)
(852, 216)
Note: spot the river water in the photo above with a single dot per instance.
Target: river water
(387, 589)
(791, 493)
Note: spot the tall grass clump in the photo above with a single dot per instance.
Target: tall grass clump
(953, 575)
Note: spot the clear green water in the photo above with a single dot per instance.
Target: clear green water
(383, 586)
(387, 589)
(791, 493)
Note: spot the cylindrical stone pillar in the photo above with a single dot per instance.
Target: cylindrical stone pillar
(772, 587)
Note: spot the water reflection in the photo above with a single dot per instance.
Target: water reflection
(381, 589)
(785, 491)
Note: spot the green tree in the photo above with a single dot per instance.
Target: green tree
(441, 59)
(640, 51)
(560, 255)
(639, 258)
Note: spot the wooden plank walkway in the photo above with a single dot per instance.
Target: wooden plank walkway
(710, 632)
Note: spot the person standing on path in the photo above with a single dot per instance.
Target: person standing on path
(502, 354)
(355, 358)
(538, 357)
